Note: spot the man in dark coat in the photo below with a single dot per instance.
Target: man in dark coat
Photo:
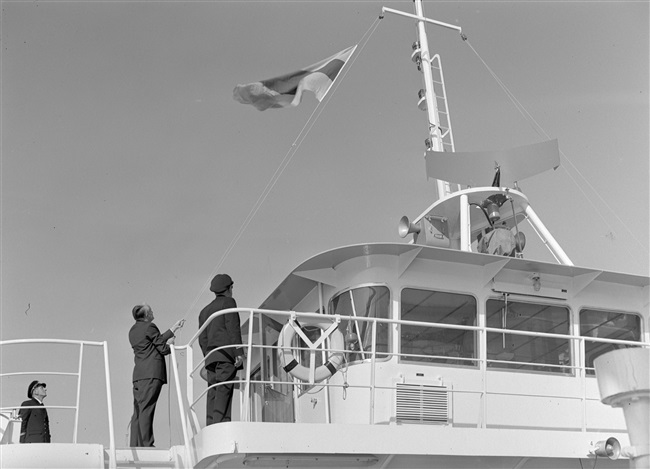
(149, 372)
(221, 365)
(35, 426)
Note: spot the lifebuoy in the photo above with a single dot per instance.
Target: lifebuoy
(291, 365)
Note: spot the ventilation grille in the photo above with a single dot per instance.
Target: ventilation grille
(418, 403)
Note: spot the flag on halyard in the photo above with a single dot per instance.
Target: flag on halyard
(286, 90)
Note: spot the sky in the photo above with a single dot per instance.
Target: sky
(128, 170)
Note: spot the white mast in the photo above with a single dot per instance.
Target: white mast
(422, 57)
(435, 136)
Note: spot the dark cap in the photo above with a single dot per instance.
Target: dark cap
(220, 283)
(33, 385)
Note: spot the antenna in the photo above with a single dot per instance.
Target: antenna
(449, 222)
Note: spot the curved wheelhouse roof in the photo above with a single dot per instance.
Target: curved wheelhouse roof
(320, 267)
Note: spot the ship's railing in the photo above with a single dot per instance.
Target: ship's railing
(76, 374)
(189, 402)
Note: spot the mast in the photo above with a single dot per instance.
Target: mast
(422, 58)
(448, 222)
(435, 137)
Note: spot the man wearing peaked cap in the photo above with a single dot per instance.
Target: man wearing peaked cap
(35, 426)
(220, 283)
(221, 365)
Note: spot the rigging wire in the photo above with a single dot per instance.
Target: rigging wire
(284, 163)
(539, 130)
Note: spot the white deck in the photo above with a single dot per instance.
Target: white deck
(236, 444)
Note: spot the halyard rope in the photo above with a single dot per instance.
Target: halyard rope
(284, 163)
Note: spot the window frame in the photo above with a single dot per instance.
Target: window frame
(539, 301)
(642, 328)
(473, 363)
(390, 314)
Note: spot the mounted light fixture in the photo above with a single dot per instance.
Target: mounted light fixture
(351, 341)
(493, 212)
(422, 100)
(416, 55)
(491, 206)
(537, 284)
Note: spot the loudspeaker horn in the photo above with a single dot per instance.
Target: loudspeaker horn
(405, 227)
(609, 448)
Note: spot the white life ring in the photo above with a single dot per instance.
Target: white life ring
(291, 365)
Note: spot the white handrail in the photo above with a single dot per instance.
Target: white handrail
(81, 343)
(481, 359)
(16, 407)
(437, 325)
(50, 341)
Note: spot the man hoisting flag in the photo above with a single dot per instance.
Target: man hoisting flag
(286, 90)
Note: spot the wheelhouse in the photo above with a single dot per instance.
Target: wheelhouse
(474, 334)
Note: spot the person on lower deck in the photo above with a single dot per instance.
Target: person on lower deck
(35, 425)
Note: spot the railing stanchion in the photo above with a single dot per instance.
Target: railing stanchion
(247, 369)
(482, 363)
(189, 366)
(112, 464)
(583, 381)
(264, 371)
(181, 408)
(76, 407)
(373, 363)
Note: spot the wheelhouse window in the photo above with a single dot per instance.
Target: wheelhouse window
(528, 352)
(363, 302)
(435, 344)
(607, 325)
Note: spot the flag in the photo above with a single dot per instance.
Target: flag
(286, 90)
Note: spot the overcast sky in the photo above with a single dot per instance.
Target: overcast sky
(128, 169)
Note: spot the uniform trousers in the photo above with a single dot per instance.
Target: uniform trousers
(145, 396)
(219, 403)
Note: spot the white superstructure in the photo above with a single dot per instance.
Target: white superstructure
(449, 351)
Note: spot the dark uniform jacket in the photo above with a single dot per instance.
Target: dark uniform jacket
(223, 330)
(149, 348)
(35, 427)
